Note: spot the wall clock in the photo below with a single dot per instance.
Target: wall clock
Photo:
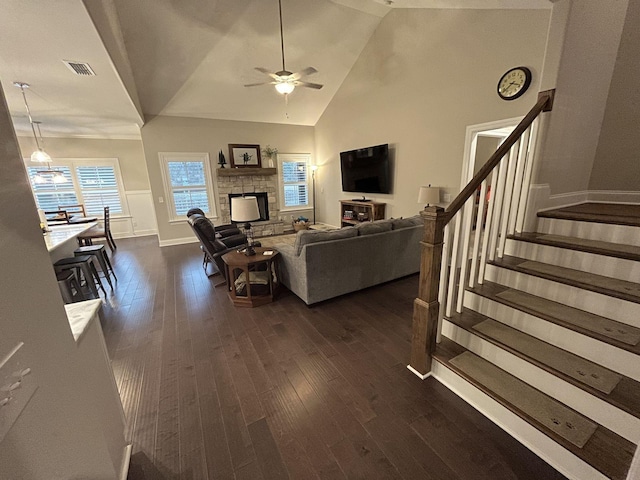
(514, 83)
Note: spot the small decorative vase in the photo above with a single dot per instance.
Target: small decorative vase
(271, 164)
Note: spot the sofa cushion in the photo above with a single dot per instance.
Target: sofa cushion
(377, 226)
(305, 237)
(406, 222)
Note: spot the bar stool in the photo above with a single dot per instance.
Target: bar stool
(68, 282)
(85, 264)
(100, 254)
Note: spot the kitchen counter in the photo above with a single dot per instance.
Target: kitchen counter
(60, 234)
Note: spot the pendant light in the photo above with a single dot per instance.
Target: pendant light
(39, 155)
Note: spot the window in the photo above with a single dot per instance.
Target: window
(95, 183)
(294, 179)
(187, 181)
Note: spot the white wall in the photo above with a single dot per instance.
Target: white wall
(425, 75)
(58, 435)
(617, 162)
(587, 59)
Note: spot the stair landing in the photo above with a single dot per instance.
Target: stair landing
(614, 213)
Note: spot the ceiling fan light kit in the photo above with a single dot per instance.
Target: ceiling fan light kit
(285, 81)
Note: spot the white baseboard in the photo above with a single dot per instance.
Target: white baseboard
(177, 241)
(418, 374)
(144, 233)
(614, 196)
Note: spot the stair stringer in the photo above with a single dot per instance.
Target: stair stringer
(598, 410)
(555, 455)
(609, 356)
(600, 304)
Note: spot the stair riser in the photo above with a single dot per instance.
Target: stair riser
(556, 456)
(619, 268)
(592, 407)
(613, 358)
(604, 305)
(593, 231)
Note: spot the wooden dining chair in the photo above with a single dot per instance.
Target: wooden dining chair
(71, 209)
(98, 232)
(57, 216)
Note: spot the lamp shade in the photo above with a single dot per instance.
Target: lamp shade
(244, 209)
(429, 195)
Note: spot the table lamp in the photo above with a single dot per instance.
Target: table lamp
(429, 195)
(245, 209)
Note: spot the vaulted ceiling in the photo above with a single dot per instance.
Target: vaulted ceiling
(183, 57)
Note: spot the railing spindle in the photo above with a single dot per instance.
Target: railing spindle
(438, 275)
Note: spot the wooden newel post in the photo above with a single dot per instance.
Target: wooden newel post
(426, 307)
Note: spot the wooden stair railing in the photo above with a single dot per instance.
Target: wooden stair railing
(511, 166)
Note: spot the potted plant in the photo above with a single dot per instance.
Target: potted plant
(270, 153)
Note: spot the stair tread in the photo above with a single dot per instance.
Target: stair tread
(612, 213)
(613, 287)
(612, 387)
(614, 333)
(604, 450)
(629, 252)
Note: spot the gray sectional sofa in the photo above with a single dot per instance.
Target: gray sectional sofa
(325, 264)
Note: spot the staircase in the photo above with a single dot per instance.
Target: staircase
(552, 336)
(540, 331)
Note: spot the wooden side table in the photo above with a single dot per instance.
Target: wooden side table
(252, 280)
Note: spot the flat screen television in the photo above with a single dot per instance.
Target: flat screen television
(366, 170)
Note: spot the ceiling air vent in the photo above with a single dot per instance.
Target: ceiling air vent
(80, 68)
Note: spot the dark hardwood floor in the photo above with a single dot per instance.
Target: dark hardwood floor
(284, 390)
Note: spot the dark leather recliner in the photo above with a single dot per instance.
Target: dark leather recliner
(214, 248)
(229, 234)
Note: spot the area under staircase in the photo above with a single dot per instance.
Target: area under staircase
(540, 331)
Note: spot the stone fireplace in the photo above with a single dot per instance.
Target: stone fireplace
(263, 204)
(261, 182)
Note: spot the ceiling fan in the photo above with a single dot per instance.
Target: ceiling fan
(284, 80)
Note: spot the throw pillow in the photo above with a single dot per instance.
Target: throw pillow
(378, 226)
(406, 222)
(305, 237)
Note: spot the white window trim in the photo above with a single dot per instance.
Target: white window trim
(294, 157)
(164, 158)
(71, 163)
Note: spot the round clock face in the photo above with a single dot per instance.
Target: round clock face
(514, 83)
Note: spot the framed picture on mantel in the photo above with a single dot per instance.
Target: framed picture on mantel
(244, 156)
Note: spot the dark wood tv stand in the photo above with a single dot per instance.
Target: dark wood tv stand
(371, 210)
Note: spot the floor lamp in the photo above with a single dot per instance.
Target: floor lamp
(313, 186)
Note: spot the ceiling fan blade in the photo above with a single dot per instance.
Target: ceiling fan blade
(268, 72)
(258, 84)
(304, 73)
(300, 83)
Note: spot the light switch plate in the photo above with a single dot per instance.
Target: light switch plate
(17, 386)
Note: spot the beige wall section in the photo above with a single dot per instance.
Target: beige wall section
(588, 56)
(617, 162)
(424, 76)
(180, 134)
(485, 147)
(129, 153)
(58, 434)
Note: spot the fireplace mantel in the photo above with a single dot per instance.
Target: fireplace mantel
(233, 172)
